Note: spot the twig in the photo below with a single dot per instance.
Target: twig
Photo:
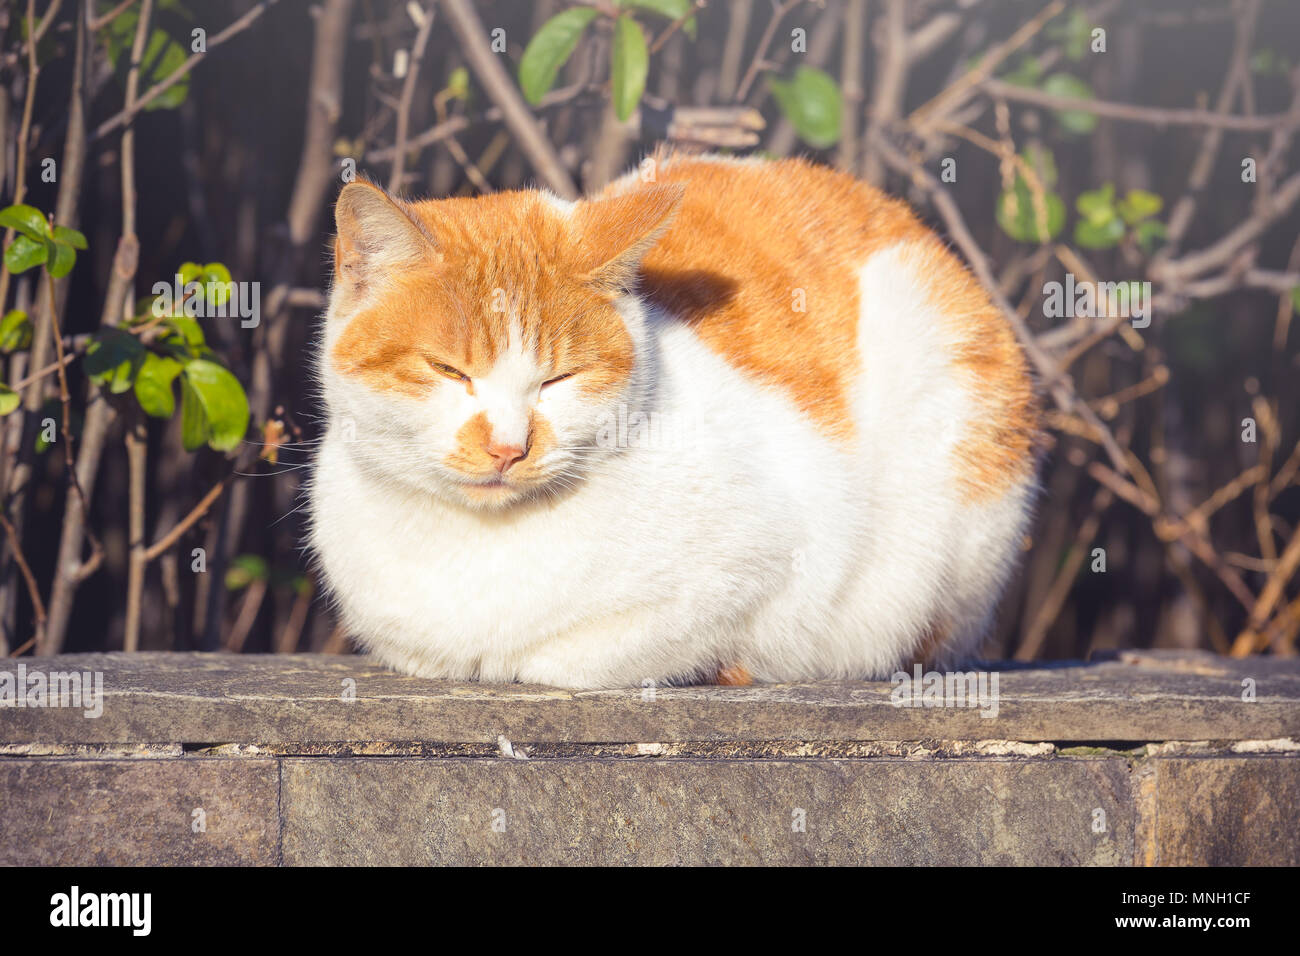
(1159, 116)
(98, 23)
(69, 569)
(888, 87)
(1180, 217)
(1248, 641)
(956, 94)
(136, 452)
(1173, 529)
(24, 134)
(1282, 480)
(501, 89)
(676, 25)
(47, 21)
(734, 48)
(179, 529)
(248, 609)
(408, 94)
(457, 124)
(1059, 590)
(1285, 305)
(65, 399)
(136, 435)
(779, 10)
(1200, 515)
(855, 31)
(162, 86)
(1217, 254)
(33, 592)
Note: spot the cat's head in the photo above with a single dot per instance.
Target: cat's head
(473, 347)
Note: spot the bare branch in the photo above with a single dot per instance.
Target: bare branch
(487, 67)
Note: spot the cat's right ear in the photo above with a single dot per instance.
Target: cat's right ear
(376, 236)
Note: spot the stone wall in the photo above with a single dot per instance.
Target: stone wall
(1145, 759)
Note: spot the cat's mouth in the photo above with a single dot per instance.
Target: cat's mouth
(489, 490)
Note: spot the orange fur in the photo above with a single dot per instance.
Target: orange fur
(497, 258)
(998, 449)
(746, 237)
(473, 454)
(734, 676)
(729, 248)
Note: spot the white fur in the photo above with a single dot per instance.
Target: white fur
(740, 535)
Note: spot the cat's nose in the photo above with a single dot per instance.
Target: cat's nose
(505, 455)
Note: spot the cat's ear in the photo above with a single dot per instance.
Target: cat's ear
(616, 233)
(375, 235)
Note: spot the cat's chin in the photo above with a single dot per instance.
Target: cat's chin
(490, 495)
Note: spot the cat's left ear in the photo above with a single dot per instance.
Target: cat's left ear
(615, 234)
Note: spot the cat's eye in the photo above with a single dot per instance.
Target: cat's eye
(558, 378)
(449, 372)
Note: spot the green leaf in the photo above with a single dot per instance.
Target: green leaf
(188, 329)
(1138, 204)
(1027, 73)
(113, 358)
(216, 272)
(25, 220)
(214, 408)
(672, 9)
(1075, 33)
(1150, 234)
(24, 253)
(216, 283)
(246, 569)
(1269, 62)
(1103, 235)
(458, 83)
(1295, 298)
(1018, 217)
(811, 102)
(1072, 121)
(631, 62)
(1042, 162)
(9, 399)
(62, 258)
(163, 55)
(15, 331)
(550, 49)
(1097, 205)
(194, 423)
(70, 236)
(153, 385)
(190, 272)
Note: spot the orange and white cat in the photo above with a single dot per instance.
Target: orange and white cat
(750, 419)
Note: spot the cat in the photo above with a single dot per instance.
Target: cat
(748, 421)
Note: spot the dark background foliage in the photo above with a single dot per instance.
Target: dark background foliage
(1145, 457)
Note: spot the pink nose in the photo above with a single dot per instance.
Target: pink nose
(505, 455)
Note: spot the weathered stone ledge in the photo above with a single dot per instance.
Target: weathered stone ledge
(220, 698)
(1145, 759)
